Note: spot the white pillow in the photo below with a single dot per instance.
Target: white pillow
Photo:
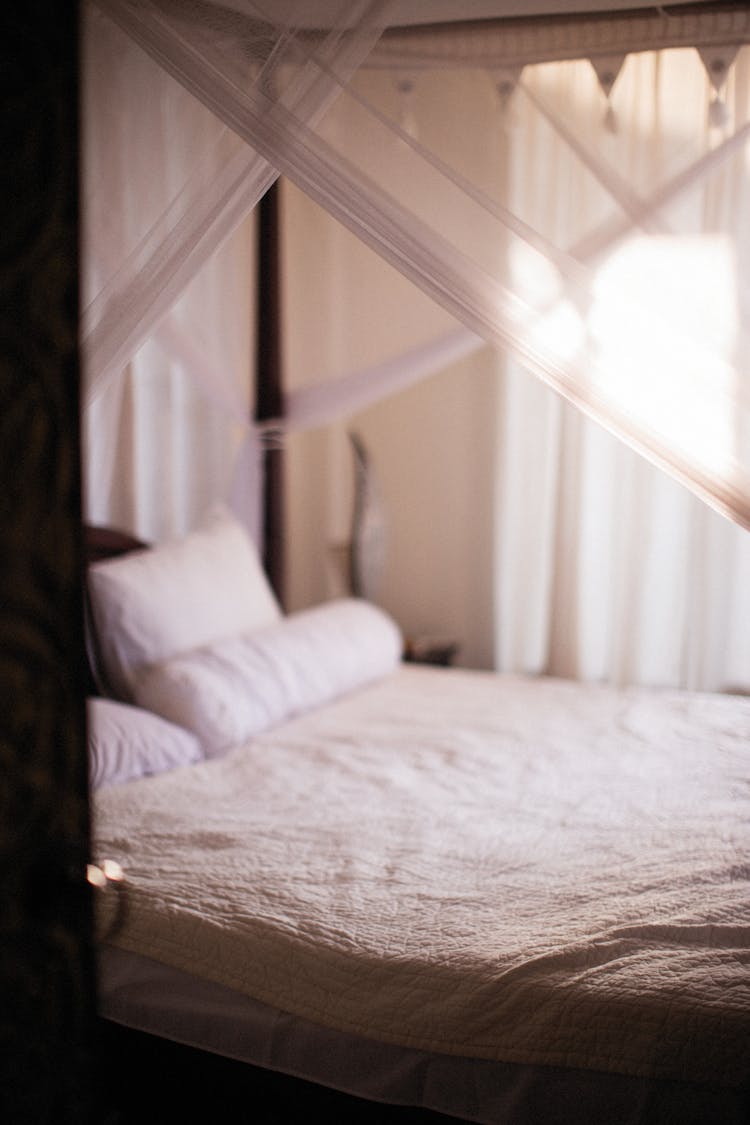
(231, 690)
(125, 743)
(152, 604)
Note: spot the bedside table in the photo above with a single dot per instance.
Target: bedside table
(430, 650)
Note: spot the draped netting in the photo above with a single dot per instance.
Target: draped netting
(640, 321)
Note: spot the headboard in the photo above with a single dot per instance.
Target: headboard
(100, 543)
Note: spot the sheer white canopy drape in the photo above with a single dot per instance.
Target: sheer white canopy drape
(606, 569)
(273, 86)
(166, 432)
(582, 559)
(659, 364)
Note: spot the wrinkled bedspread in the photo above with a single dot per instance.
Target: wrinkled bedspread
(492, 866)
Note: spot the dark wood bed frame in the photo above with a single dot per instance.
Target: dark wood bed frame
(178, 1083)
(149, 1078)
(171, 1082)
(152, 1078)
(164, 1082)
(99, 544)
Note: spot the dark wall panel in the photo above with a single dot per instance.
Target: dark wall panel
(45, 940)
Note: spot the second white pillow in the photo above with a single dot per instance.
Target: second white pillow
(238, 687)
(151, 605)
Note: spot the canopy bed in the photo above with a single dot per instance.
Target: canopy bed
(488, 897)
(477, 894)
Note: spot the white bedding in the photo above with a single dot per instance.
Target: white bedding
(231, 690)
(524, 870)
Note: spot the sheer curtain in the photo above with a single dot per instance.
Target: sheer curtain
(568, 303)
(517, 525)
(284, 88)
(606, 569)
(165, 433)
(169, 187)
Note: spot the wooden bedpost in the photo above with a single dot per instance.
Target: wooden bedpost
(47, 1068)
(268, 393)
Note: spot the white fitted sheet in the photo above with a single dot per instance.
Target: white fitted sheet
(520, 870)
(152, 997)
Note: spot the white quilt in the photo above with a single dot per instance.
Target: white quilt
(524, 870)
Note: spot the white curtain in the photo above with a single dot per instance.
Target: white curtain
(169, 434)
(284, 88)
(568, 304)
(168, 290)
(581, 558)
(606, 568)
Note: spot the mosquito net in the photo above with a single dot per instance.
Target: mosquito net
(635, 307)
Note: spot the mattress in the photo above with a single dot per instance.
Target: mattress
(502, 869)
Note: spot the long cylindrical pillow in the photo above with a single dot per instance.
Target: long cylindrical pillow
(230, 690)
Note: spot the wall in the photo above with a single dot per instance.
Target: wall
(431, 446)
(598, 566)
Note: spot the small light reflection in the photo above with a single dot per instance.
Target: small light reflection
(109, 876)
(112, 870)
(95, 876)
(109, 871)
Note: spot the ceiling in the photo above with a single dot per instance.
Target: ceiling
(403, 13)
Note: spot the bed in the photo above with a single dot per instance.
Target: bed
(493, 898)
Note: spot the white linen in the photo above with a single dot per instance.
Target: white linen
(240, 686)
(125, 743)
(498, 867)
(447, 230)
(150, 605)
(152, 997)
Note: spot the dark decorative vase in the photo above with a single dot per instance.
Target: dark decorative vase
(368, 526)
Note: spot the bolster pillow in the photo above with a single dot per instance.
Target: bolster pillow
(228, 691)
